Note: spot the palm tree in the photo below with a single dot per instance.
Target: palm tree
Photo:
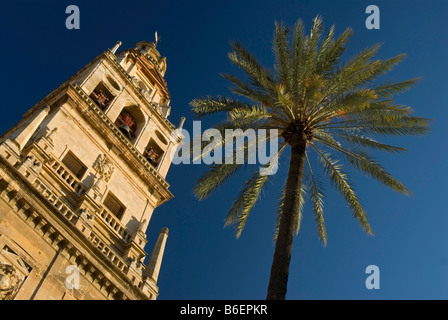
(321, 105)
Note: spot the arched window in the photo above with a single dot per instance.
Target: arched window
(127, 124)
(102, 96)
(153, 153)
(131, 122)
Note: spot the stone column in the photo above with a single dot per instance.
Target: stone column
(20, 138)
(155, 260)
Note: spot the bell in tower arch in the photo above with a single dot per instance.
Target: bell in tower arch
(124, 128)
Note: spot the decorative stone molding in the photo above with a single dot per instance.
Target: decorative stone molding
(103, 167)
(51, 134)
(32, 163)
(9, 281)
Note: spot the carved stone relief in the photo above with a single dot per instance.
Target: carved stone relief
(104, 167)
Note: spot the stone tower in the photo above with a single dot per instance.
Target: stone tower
(80, 177)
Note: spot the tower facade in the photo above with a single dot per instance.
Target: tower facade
(80, 177)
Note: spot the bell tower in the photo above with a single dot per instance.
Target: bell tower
(80, 177)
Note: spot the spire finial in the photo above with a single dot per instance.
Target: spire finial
(157, 38)
(155, 260)
(115, 48)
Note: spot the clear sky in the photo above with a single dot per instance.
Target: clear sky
(204, 260)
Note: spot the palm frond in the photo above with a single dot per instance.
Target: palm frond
(383, 110)
(381, 117)
(339, 178)
(249, 116)
(313, 43)
(343, 105)
(208, 105)
(405, 126)
(330, 57)
(298, 214)
(362, 161)
(259, 76)
(281, 53)
(212, 179)
(317, 204)
(307, 75)
(247, 198)
(244, 89)
(366, 142)
(298, 56)
(390, 88)
(324, 48)
(348, 76)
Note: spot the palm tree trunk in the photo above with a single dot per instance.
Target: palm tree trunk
(282, 255)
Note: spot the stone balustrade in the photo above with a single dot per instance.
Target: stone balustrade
(70, 180)
(108, 252)
(72, 217)
(55, 200)
(111, 220)
(79, 189)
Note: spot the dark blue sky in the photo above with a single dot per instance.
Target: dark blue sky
(204, 260)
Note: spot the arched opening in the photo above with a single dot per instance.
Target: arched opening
(102, 96)
(127, 124)
(130, 122)
(153, 153)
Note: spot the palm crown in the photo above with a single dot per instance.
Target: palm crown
(320, 104)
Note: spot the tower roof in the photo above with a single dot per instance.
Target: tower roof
(148, 49)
